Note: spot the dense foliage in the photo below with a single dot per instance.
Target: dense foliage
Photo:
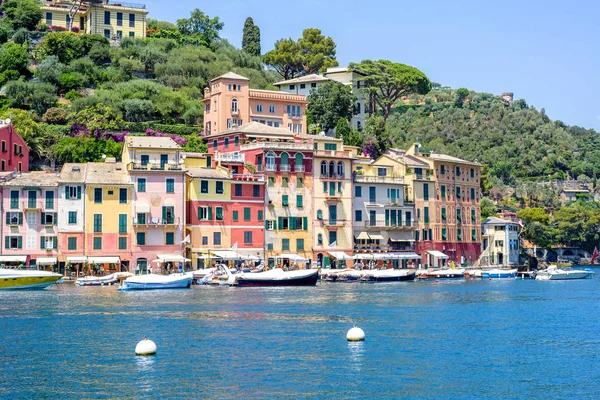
(251, 38)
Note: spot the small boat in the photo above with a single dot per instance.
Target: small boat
(106, 280)
(343, 275)
(449, 273)
(389, 275)
(277, 277)
(155, 281)
(556, 273)
(498, 273)
(20, 279)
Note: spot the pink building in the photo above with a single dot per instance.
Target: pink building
(156, 170)
(14, 153)
(230, 102)
(29, 226)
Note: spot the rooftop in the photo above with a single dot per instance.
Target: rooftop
(151, 142)
(210, 173)
(73, 173)
(189, 154)
(107, 173)
(231, 75)
(446, 158)
(303, 79)
(256, 129)
(35, 178)
(498, 221)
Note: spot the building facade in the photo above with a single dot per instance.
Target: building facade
(14, 153)
(500, 244)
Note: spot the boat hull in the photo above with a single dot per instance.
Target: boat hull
(499, 274)
(96, 282)
(389, 278)
(564, 276)
(184, 283)
(247, 281)
(27, 282)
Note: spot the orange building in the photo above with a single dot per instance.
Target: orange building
(229, 102)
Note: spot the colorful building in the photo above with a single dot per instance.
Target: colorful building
(14, 153)
(384, 227)
(108, 195)
(156, 171)
(71, 217)
(332, 216)
(109, 18)
(500, 242)
(29, 226)
(229, 102)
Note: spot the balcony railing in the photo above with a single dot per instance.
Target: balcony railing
(284, 168)
(383, 247)
(334, 222)
(277, 146)
(423, 177)
(295, 115)
(378, 179)
(299, 168)
(332, 153)
(382, 225)
(232, 157)
(155, 166)
(125, 4)
(33, 204)
(248, 177)
(153, 221)
(332, 176)
(271, 168)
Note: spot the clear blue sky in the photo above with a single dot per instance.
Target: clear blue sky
(544, 51)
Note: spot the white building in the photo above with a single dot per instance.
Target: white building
(304, 84)
(500, 242)
(71, 212)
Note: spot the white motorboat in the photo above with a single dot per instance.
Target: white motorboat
(556, 273)
(277, 277)
(499, 273)
(448, 273)
(155, 281)
(19, 279)
(388, 275)
(106, 280)
(342, 275)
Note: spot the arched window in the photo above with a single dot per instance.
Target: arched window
(331, 169)
(323, 168)
(234, 107)
(299, 162)
(270, 162)
(319, 214)
(320, 240)
(284, 158)
(340, 169)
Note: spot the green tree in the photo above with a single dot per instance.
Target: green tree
(21, 36)
(330, 102)
(534, 214)
(84, 149)
(342, 130)
(31, 96)
(487, 208)
(155, 24)
(378, 137)
(386, 82)
(22, 13)
(285, 58)
(67, 46)
(195, 144)
(13, 57)
(50, 70)
(201, 26)
(461, 95)
(251, 38)
(137, 110)
(27, 128)
(578, 225)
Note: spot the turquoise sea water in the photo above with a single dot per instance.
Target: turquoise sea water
(509, 339)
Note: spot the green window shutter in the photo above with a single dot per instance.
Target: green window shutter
(274, 224)
(67, 190)
(6, 242)
(324, 187)
(266, 224)
(260, 215)
(247, 216)
(7, 219)
(20, 218)
(43, 215)
(426, 214)
(55, 242)
(210, 213)
(280, 222)
(387, 217)
(164, 214)
(55, 219)
(78, 192)
(42, 242)
(235, 215)
(299, 201)
(19, 242)
(284, 200)
(122, 223)
(292, 223)
(305, 223)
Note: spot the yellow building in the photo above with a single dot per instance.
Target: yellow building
(108, 215)
(111, 19)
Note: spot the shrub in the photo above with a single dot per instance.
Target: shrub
(75, 29)
(72, 95)
(55, 115)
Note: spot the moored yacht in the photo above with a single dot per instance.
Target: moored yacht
(448, 273)
(556, 273)
(155, 281)
(388, 275)
(19, 279)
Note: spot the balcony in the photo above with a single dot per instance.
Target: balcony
(332, 153)
(156, 166)
(248, 177)
(294, 116)
(284, 168)
(333, 196)
(231, 157)
(32, 204)
(125, 4)
(153, 221)
(423, 177)
(271, 168)
(333, 176)
(235, 111)
(299, 168)
(378, 179)
(277, 146)
(334, 222)
(382, 225)
(368, 248)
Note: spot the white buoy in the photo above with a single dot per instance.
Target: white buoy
(145, 348)
(355, 334)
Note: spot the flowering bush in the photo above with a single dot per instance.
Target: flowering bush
(180, 140)
(56, 28)
(55, 115)
(75, 29)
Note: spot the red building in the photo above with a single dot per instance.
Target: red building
(14, 154)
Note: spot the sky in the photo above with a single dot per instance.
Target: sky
(545, 52)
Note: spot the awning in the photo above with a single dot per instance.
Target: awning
(381, 256)
(142, 208)
(408, 256)
(227, 254)
(401, 236)
(292, 257)
(104, 260)
(376, 237)
(363, 236)
(46, 260)
(13, 258)
(171, 258)
(364, 256)
(77, 259)
(437, 254)
(340, 255)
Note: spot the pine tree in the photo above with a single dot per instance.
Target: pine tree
(251, 38)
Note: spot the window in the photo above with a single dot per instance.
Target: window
(256, 191)
(302, 86)
(358, 215)
(259, 108)
(98, 195)
(203, 186)
(357, 191)
(234, 106)
(219, 187)
(340, 169)
(168, 214)
(170, 238)
(72, 243)
(292, 87)
(122, 223)
(123, 195)
(107, 33)
(457, 171)
(444, 234)
(215, 144)
(372, 194)
(226, 143)
(141, 185)
(284, 223)
(120, 34)
(72, 217)
(260, 215)
(299, 203)
(98, 223)
(15, 218)
(119, 19)
(458, 216)
(131, 21)
(97, 243)
(299, 182)
(238, 189)
(333, 238)
(473, 235)
(381, 171)
(472, 194)
(272, 109)
(444, 218)
(299, 244)
(313, 85)
(14, 199)
(426, 191)
(285, 244)
(123, 243)
(270, 225)
(217, 238)
(234, 215)
(204, 240)
(472, 172)
(3, 165)
(106, 17)
(319, 214)
(13, 242)
(458, 192)
(204, 213)
(459, 234)
(141, 218)
(49, 199)
(271, 181)
(141, 238)
(247, 237)
(170, 185)
(285, 200)
(443, 192)
(48, 18)
(331, 146)
(4, 146)
(219, 213)
(426, 215)
(473, 216)
(442, 169)
(285, 181)
(320, 239)
(247, 214)
(49, 218)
